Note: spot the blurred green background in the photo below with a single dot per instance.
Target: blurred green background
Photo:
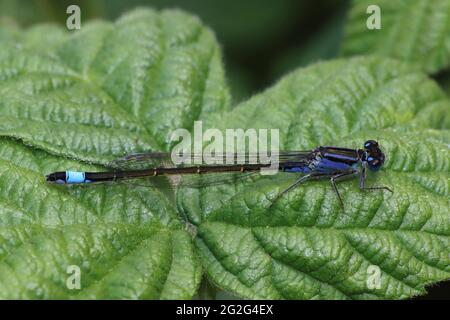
(261, 39)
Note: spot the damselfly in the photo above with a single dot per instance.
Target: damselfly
(324, 162)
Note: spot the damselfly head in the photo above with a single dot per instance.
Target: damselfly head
(374, 156)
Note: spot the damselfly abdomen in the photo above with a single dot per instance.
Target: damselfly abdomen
(324, 162)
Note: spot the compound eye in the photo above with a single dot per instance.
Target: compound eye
(369, 144)
(375, 163)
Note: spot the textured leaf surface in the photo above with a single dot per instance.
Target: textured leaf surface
(416, 31)
(110, 88)
(93, 95)
(127, 242)
(305, 246)
(75, 101)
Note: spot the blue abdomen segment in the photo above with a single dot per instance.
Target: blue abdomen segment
(75, 177)
(329, 166)
(303, 169)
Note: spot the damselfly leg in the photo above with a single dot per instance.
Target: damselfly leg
(337, 178)
(362, 181)
(292, 186)
(311, 176)
(334, 178)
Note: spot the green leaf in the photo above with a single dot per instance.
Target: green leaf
(128, 243)
(305, 246)
(111, 88)
(94, 95)
(414, 31)
(83, 98)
